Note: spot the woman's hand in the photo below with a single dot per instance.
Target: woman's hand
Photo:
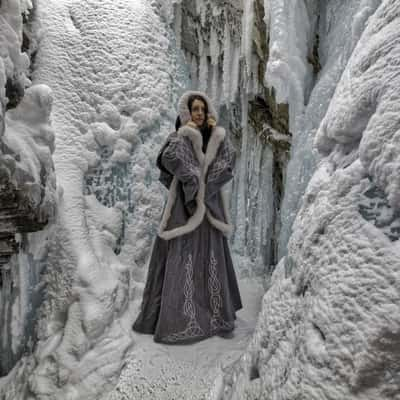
(191, 123)
(211, 122)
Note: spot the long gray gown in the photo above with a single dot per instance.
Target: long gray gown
(191, 291)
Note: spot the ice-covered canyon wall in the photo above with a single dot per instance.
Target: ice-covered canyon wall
(330, 323)
(226, 47)
(27, 186)
(111, 112)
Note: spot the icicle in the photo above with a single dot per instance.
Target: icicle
(267, 16)
(255, 81)
(201, 43)
(214, 84)
(247, 34)
(214, 53)
(201, 9)
(203, 67)
(226, 66)
(178, 25)
(214, 46)
(203, 14)
(198, 4)
(203, 73)
(235, 73)
(241, 217)
(194, 71)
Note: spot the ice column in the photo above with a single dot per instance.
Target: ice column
(247, 36)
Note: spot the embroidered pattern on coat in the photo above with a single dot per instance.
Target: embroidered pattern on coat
(223, 161)
(214, 286)
(193, 328)
(179, 149)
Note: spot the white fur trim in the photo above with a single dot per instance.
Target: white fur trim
(216, 138)
(192, 223)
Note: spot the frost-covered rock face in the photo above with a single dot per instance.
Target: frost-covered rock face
(226, 50)
(13, 63)
(28, 189)
(337, 28)
(115, 85)
(331, 328)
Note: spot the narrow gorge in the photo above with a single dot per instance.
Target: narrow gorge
(307, 90)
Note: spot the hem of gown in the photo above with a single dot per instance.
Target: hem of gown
(195, 339)
(140, 329)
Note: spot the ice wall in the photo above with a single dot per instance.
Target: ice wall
(115, 82)
(27, 182)
(272, 67)
(330, 328)
(226, 47)
(334, 42)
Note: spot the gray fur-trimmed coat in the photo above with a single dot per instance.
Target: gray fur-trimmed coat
(200, 177)
(191, 290)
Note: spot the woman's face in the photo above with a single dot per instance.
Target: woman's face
(198, 112)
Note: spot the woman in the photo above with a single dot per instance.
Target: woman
(191, 291)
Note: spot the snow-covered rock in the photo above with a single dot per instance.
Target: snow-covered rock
(330, 323)
(109, 66)
(28, 189)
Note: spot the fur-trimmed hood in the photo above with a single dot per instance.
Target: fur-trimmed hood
(205, 159)
(183, 106)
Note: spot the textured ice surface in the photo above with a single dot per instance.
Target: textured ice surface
(116, 77)
(290, 40)
(28, 198)
(107, 65)
(340, 25)
(330, 323)
(225, 45)
(13, 63)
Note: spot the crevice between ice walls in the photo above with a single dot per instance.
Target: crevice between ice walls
(290, 73)
(27, 181)
(333, 31)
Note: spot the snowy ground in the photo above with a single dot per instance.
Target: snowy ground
(168, 372)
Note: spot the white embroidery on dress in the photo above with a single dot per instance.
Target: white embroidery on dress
(193, 328)
(179, 149)
(222, 162)
(214, 286)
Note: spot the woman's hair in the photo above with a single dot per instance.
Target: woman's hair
(178, 123)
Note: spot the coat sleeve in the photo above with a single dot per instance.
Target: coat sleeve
(165, 176)
(178, 159)
(221, 169)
